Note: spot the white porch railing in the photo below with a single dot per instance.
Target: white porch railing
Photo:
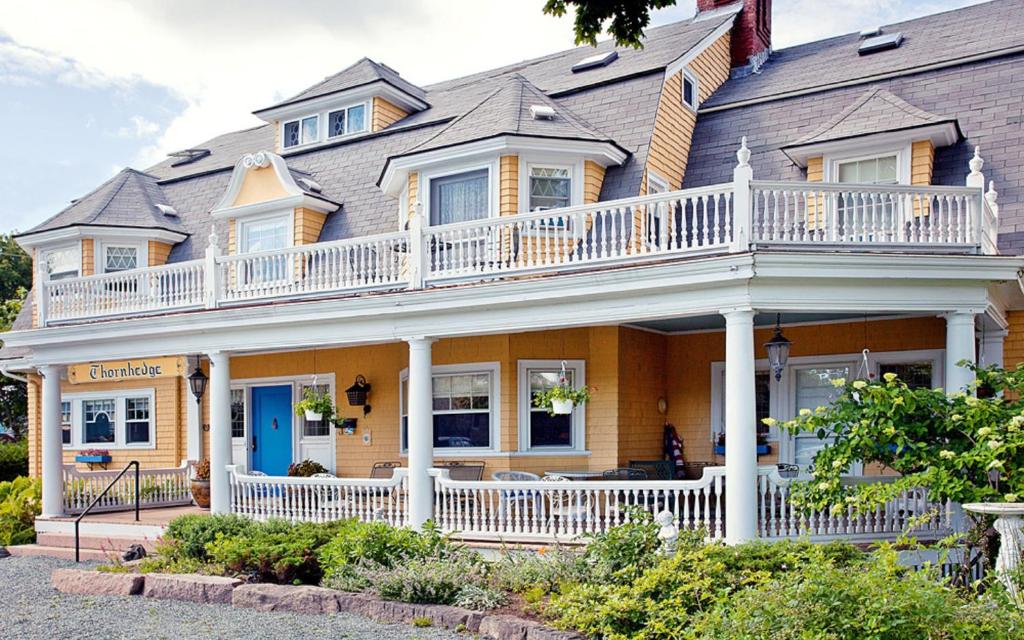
(165, 487)
(912, 512)
(730, 217)
(178, 286)
(320, 499)
(565, 510)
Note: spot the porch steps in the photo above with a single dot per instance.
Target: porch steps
(57, 544)
(64, 553)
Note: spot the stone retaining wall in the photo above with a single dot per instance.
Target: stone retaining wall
(299, 599)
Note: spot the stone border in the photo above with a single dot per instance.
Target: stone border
(304, 599)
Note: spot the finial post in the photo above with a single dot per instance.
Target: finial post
(976, 178)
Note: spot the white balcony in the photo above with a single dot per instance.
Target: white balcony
(734, 217)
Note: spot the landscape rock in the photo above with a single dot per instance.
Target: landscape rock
(541, 632)
(281, 597)
(189, 587)
(97, 583)
(506, 627)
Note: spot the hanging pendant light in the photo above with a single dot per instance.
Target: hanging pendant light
(778, 349)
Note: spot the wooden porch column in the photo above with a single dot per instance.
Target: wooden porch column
(740, 428)
(959, 346)
(52, 448)
(220, 431)
(420, 438)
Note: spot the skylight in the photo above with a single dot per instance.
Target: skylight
(881, 43)
(592, 62)
(186, 156)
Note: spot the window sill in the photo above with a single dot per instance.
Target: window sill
(552, 453)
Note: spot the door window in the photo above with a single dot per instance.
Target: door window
(814, 388)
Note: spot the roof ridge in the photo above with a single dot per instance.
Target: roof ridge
(455, 120)
(97, 210)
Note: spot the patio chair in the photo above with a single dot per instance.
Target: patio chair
(518, 501)
(384, 470)
(568, 507)
(655, 469)
(472, 471)
(624, 473)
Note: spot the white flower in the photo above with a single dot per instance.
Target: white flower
(995, 464)
(946, 454)
(859, 384)
(771, 422)
(805, 412)
(889, 376)
(984, 431)
(1011, 497)
(995, 444)
(824, 486)
(838, 382)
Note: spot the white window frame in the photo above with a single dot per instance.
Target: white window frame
(242, 225)
(493, 176)
(855, 154)
(245, 412)
(302, 141)
(494, 407)
(120, 423)
(775, 403)
(530, 166)
(70, 423)
(579, 416)
(529, 160)
(100, 259)
(76, 247)
(692, 77)
(367, 125)
(653, 178)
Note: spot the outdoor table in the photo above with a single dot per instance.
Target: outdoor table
(579, 474)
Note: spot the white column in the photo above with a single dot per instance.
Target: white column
(421, 432)
(959, 346)
(52, 448)
(991, 347)
(220, 431)
(740, 428)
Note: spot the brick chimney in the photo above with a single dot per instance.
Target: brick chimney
(751, 33)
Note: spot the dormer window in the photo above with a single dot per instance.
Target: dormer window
(347, 121)
(120, 259)
(63, 263)
(690, 96)
(550, 187)
(303, 131)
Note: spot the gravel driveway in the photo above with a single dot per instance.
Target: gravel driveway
(31, 609)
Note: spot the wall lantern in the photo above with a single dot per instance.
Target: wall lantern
(778, 349)
(357, 394)
(197, 383)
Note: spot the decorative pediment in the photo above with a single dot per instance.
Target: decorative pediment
(261, 182)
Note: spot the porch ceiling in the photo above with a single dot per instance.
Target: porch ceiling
(717, 321)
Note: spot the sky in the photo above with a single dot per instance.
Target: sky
(89, 88)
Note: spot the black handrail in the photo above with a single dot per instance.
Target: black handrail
(133, 463)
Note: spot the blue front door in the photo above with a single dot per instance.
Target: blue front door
(272, 429)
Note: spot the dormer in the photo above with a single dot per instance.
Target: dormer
(269, 206)
(364, 98)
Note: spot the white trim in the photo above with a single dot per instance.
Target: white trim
(241, 226)
(330, 102)
(695, 79)
(604, 153)
(295, 197)
(323, 116)
(44, 253)
(100, 253)
(858, 152)
(941, 135)
(694, 51)
(64, 234)
(529, 161)
(654, 177)
(525, 405)
(120, 427)
(493, 368)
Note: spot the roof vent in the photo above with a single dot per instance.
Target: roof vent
(592, 62)
(186, 156)
(167, 210)
(310, 185)
(881, 43)
(871, 32)
(542, 112)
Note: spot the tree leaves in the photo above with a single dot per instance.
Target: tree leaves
(626, 19)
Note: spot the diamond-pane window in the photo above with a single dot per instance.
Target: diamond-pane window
(549, 188)
(336, 123)
(291, 134)
(121, 259)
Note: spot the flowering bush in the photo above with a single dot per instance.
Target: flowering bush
(957, 446)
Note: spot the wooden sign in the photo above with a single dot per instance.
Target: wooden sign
(140, 369)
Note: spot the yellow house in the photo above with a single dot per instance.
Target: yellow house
(640, 223)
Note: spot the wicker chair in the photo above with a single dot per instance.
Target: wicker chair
(564, 506)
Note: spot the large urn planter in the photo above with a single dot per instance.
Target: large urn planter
(1010, 527)
(201, 493)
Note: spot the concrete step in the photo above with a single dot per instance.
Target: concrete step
(63, 553)
(102, 543)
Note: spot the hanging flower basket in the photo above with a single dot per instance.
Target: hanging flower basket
(562, 398)
(314, 405)
(561, 407)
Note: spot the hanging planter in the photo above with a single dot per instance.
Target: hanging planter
(562, 398)
(314, 405)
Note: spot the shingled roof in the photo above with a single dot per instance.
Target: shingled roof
(363, 72)
(129, 199)
(875, 111)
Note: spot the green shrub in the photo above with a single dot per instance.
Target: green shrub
(663, 599)
(436, 580)
(480, 598)
(20, 503)
(539, 573)
(376, 544)
(275, 551)
(881, 601)
(186, 537)
(13, 460)
(622, 553)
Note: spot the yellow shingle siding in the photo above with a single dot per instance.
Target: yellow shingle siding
(674, 122)
(922, 159)
(815, 169)
(508, 195)
(232, 237)
(413, 193)
(385, 114)
(158, 252)
(593, 179)
(88, 256)
(308, 224)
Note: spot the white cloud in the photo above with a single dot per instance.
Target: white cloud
(23, 65)
(140, 128)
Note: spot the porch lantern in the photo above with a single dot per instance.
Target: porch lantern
(778, 349)
(357, 394)
(197, 382)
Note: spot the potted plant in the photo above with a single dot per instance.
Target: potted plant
(94, 456)
(305, 469)
(561, 398)
(201, 484)
(314, 405)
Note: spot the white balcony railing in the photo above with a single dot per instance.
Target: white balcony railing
(157, 488)
(731, 217)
